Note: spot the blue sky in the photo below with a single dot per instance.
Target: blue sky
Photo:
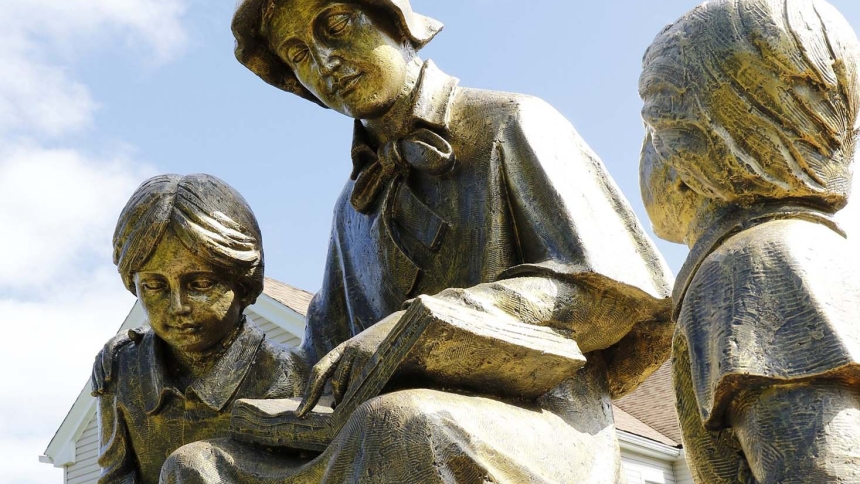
(96, 95)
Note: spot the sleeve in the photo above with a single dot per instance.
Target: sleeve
(326, 322)
(571, 219)
(116, 456)
(587, 266)
(286, 368)
(776, 303)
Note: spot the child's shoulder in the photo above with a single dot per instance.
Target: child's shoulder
(771, 257)
(279, 371)
(137, 340)
(119, 359)
(277, 355)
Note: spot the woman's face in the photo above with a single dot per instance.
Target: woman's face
(188, 302)
(342, 55)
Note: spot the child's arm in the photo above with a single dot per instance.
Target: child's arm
(116, 456)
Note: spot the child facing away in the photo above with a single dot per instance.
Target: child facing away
(190, 249)
(751, 110)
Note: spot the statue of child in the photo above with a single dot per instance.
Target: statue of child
(190, 249)
(751, 115)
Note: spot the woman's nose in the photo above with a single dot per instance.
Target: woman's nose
(326, 60)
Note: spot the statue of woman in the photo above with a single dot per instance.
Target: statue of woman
(485, 200)
(751, 109)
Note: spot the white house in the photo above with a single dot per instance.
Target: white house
(646, 421)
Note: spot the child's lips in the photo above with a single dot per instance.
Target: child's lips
(185, 328)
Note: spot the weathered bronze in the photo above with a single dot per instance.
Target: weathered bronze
(751, 109)
(190, 249)
(485, 274)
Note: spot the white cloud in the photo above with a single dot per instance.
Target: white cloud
(58, 211)
(60, 296)
(40, 98)
(17, 467)
(154, 24)
(47, 352)
(39, 37)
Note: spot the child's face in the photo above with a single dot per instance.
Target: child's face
(189, 302)
(670, 203)
(341, 55)
(677, 140)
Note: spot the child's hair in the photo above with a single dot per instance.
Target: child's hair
(209, 217)
(772, 87)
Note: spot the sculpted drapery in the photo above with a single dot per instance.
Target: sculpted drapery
(472, 199)
(526, 222)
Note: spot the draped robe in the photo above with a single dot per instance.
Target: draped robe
(494, 202)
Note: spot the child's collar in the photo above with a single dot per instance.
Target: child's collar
(215, 388)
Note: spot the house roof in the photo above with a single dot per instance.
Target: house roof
(294, 298)
(628, 423)
(653, 404)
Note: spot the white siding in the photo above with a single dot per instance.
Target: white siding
(682, 472)
(85, 470)
(641, 469)
(274, 332)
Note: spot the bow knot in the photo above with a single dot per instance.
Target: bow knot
(422, 150)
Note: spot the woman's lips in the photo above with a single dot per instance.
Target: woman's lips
(346, 84)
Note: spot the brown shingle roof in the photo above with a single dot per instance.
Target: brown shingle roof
(628, 423)
(654, 404)
(296, 299)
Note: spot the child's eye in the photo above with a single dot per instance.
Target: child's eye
(202, 284)
(153, 285)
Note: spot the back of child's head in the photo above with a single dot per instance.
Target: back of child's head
(210, 218)
(770, 87)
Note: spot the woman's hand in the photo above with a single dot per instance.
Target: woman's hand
(103, 366)
(344, 363)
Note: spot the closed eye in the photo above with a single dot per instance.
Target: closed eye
(297, 54)
(153, 285)
(202, 284)
(336, 24)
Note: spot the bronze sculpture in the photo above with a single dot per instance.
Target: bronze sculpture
(189, 248)
(482, 210)
(751, 109)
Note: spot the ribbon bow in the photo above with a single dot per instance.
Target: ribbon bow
(422, 150)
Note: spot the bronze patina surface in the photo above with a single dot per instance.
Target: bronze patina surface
(482, 218)
(751, 116)
(189, 248)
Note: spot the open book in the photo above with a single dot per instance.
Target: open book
(453, 345)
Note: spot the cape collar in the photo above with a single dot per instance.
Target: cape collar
(431, 108)
(215, 388)
(734, 223)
